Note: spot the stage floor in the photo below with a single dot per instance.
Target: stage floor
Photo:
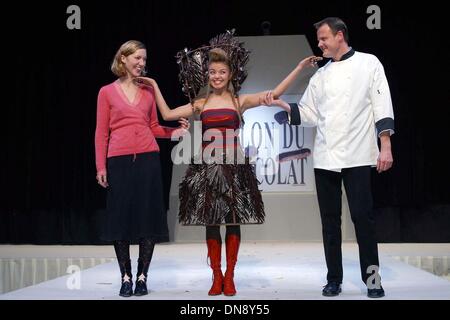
(265, 271)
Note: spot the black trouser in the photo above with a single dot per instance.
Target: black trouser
(358, 189)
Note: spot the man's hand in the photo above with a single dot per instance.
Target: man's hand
(268, 100)
(385, 159)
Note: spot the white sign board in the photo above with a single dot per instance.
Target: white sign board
(282, 153)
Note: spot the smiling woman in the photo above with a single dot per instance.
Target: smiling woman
(220, 188)
(132, 57)
(128, 165)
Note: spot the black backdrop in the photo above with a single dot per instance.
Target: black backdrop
(49, 194)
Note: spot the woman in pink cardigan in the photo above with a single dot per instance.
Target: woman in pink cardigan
(128, 165)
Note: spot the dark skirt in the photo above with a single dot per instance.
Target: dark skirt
(135, 205)
(220, 194)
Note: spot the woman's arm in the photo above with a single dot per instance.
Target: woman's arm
(167, 113)
(286, 83)
(256, 99)
(102, 137)
(166, 132)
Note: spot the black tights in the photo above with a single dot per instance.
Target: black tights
(213, 232)
(122, 248)
(146, 246)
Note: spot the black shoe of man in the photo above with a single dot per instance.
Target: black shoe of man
(375, 293)
(332, 289)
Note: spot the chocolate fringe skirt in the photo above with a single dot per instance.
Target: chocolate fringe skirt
(220, 194)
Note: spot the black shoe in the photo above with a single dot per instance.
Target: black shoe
(141, 288)
(331, 289)
(141, 278)
(375, 293)
(126, 290)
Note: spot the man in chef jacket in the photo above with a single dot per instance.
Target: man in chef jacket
(349, 102)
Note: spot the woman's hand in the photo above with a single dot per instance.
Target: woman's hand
(310, 61)
(184, 123)
(183, 129)
(145, 81)
(102, 180)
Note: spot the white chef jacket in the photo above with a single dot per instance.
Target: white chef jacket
(346, 100)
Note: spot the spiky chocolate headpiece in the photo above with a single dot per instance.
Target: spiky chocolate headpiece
(194, 63)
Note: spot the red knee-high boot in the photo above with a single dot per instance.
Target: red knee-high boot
(214, 254)
(232, 247)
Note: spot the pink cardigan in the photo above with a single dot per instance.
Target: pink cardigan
(125, 128)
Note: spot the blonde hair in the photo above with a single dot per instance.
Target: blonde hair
(218, 55)
(129, 47)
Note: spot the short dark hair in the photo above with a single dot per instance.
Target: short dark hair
(336, 25)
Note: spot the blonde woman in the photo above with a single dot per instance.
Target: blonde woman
(127, 161)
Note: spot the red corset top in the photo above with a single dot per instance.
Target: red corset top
(220, 127)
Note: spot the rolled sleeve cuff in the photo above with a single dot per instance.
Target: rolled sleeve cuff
(294, 117)
(384, 125)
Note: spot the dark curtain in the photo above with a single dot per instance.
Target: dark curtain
(52, 75)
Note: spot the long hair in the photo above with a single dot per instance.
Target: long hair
(129, 47)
